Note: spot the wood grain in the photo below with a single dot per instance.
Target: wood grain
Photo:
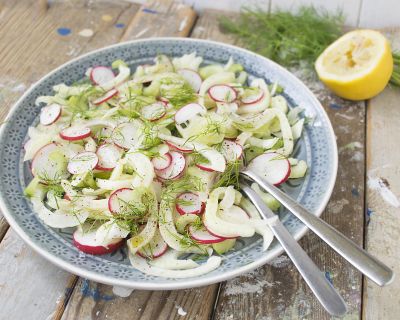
(383, 196)
(277, 291)
(31, 287)
(97, 301)
(160, 18)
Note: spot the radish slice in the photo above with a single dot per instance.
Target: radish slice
(87, 242)
(108, 155)
(203, 236)
(156, 247)
(120, 200)
(179, 147)
(175, 169)
(273, 167)
(231, 150)
(50, 114)
(75, 133)
(188, 112)
(49, 163)
(83, 162)
(189, 203)
(191, 77)
(216, 235)
(204, 167)
(222, 93)
(126, 135)
(101, 74)
(154, 111)
(253, 98)
(107, 96)
(162, 161)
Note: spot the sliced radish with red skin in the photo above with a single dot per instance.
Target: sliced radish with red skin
(162, 162)
(222, 93)
(204, 167)
(178, 147)
(273, 167)
(83, 162)
(231, 150)
(203, 236)
(154, 111)
(101, 74)
(50, 114)
(188, 112)
(66, 197)
(75, 133)
(164, 100)
(46, 166)
(108, 155)
(253, 98)
(175, 169)
(125, 135)
(87, 243)
(107, 96)
(120, 199)
(156, 247)
(191, 77)
(215, 235)
(190, 204)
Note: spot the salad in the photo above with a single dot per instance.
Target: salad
(151, 157)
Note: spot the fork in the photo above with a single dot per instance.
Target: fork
(329, 298)
(357, 256)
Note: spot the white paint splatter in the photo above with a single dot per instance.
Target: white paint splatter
(250, 285)
(181, 312)
(351, 146)
(122, 291)
(141, 32)
(183, 24)
(344, 116)
(379, 185)
(86, 33)
(357, 156)
(19, 88)
(280, 262)
(337, 206)
(97, 312)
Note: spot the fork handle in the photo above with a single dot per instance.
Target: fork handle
(357, 256)
(329, 298)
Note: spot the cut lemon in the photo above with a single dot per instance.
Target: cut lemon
(357, 66)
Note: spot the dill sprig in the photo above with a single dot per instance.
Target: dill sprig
(285, 37)
(172, 189)
(230, 177)
(395, 79)
(177, 92)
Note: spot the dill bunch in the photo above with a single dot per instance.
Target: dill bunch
(395, 79)
(291, 39)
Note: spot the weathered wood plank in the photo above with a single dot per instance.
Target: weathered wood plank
(160, 18)
(277, 291)
(97, 301)
(31, 47)
(31, 287)
(383, 198)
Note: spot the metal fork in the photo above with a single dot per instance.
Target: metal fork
(357, 256)
(329, 298)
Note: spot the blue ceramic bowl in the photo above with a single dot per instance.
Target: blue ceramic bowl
(317, 147)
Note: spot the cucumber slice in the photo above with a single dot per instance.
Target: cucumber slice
(224, 246)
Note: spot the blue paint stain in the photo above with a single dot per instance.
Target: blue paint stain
(149, 11)
(87, 291)
(328, 276)
(369, 212)
(119, 25)
(64, 31)
(335, 106)
(355, 192)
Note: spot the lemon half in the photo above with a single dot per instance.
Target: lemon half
(357, 66)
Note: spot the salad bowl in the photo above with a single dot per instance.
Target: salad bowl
(317, 146)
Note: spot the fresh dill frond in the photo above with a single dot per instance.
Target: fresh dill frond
(230, 177)
(172, 189)
(178, 93)
(286, 37)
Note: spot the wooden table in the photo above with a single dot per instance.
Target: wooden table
(35, 38)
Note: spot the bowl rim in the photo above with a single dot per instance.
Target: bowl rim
(189, 282)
